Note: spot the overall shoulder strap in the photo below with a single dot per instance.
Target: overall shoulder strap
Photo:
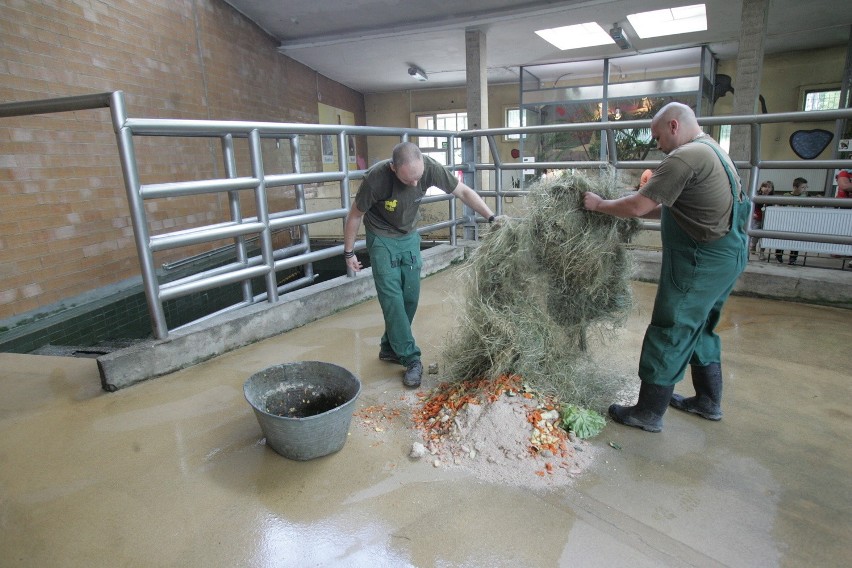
(731, 179)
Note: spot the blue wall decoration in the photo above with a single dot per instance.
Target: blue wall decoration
(808, 144)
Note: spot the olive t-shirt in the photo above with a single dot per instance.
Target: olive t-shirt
(692, 182)
(392, 208)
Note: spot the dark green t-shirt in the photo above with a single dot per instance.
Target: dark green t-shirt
(392, 208)
(692, 182)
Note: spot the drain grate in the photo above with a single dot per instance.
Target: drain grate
(88, 351)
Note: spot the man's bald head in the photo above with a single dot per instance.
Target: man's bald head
(407, 163)
(405, 153)
(674, 125)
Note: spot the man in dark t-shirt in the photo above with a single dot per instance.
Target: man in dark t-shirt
(698, 196)
(389, 204)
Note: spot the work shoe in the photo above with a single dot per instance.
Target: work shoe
(707, 401)
(387, 354)
(648, 412)
(413, 373)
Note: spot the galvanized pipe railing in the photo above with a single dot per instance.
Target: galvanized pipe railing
(60, 104)
(754, 165)
(239, 228)
(260, 227)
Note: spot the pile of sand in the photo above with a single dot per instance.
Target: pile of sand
(494, 442)
(491, 438)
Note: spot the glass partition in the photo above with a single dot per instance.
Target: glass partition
(632, 87)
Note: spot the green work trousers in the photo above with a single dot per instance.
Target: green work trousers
(695, 280)
(396, 264)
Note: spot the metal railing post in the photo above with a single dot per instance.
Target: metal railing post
(301, 204)
(469, 161)
(262, 205)
(498, 174)
(236, 211)
(133, 188)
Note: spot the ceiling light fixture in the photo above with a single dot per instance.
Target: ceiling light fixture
(574, 37)
(670, 21)
(418, 73)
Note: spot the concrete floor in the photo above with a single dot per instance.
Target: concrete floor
(173, 471)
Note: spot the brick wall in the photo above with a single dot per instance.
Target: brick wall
(64, 225)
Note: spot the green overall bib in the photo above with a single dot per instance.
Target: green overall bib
(695, 280)
(396, 264)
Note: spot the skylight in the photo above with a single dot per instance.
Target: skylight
(576, 36)
(670, 21)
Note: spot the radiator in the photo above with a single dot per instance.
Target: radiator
(808, 220)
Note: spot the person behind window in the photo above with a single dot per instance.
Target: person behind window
(643, 179)
(766, 188)
(844, 183)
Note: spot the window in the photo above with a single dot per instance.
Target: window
(725, 137)
(821, 99)
(513, 120)
(436, 146)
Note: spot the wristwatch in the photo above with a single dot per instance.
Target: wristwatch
(491, 219)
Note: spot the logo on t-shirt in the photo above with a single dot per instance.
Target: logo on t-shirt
(390, 205)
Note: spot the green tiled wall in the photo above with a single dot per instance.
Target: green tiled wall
(117, 318)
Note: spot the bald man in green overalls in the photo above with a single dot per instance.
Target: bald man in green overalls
(698, 197)
(389, 202)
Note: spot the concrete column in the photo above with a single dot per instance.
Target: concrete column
(477, 107)
(477, 86)
(748, 74)
(477, 79)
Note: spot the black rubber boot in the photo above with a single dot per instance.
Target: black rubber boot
(388, 354)
(648, 412)
(413, 373)
(707, 401)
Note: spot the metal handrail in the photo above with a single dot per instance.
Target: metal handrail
(260, 227)
(470, 141)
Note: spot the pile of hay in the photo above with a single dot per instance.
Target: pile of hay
(537, 286)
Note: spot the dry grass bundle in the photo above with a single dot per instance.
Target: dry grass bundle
(535, 288)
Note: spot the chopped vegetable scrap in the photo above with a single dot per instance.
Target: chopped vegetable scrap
(548, 439)
(443, 409)
(378, 417)
(438, 408)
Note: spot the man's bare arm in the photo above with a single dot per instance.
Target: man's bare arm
(633, 205)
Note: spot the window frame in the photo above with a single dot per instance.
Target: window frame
(433, 150)
(506, 123)
(807, 90)
(429, 144)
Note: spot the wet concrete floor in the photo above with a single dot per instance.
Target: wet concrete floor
(174, 471)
